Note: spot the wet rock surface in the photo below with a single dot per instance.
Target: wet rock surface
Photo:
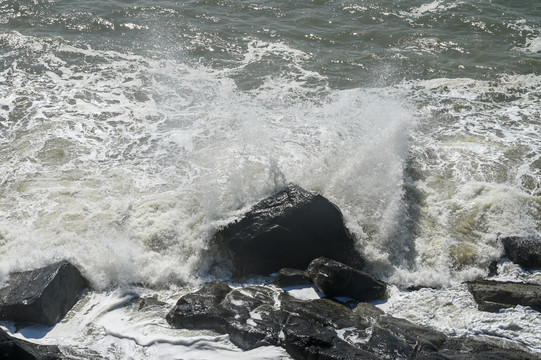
(288, 229)
(495, 295)
(336, 279)
(524, 251)
(472, 348)
(16, 349)
(255, 316)
(43, 295)
(291, 277)
(201, 309)
(406, 340)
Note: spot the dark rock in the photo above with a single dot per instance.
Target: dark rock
(420, 287)
(288, 229)
(336, 279)
(291, 277)
(525, 251)
(308, 340)
(322, 329)
(257, 321)
(319, 329)
(148, 302)
(243, 300)
(471, 348)
(201, 310)
(16, 349)
(394, 338)
(261, 329)
(493, 269)
(326, 313)
(247, 314)
(368, 311)
(42, 296)
(495, 295)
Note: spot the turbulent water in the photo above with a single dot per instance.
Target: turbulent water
(130, 132)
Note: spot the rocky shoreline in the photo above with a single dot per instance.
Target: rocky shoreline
(301, 238)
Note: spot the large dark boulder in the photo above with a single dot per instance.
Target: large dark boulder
(201, 309)
(495, 295)
(41, 296)
(288, 229)
(336, 279)
(525, 251)
(16, 349)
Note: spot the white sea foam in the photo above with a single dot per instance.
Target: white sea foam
(475, 175)
(129, 164)
(304, 292)
(454, 312)
(532, 33)
(534, 45)
(436, 6)
(112, 325)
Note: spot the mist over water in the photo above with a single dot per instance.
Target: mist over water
(130, 133)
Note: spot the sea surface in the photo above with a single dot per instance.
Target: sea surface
(130, 131)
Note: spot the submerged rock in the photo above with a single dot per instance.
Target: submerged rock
(336, 279)
(16, 349)
(288, 229)
(291, 277)
(41, 296)
(495, 295)
(524, 251)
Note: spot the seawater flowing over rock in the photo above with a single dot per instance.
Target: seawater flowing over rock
(336, 279)
(525, 251)
(256, 316)
(43, 295)
(495, 295)
(288, 229)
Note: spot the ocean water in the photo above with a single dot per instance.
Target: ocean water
(131, 131)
